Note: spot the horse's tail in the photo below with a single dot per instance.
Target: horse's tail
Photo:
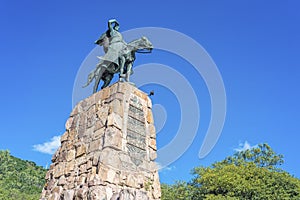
(91, 76)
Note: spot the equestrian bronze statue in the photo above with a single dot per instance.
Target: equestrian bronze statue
(118, 58)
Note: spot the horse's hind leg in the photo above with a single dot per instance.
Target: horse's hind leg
(97, 81)
(128, 71)
(98, 75)
(122, 65)
(107, 79)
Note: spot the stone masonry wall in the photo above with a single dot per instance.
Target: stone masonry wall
(108, 149)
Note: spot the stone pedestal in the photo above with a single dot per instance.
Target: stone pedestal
(108, 149)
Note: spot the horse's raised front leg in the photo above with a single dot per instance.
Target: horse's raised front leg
(98, 75)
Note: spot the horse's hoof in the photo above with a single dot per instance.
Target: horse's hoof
(131, 83)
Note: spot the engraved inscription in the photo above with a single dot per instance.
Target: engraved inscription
(136, 132)
(135, 101)
(136, 139)
(136, 126)
(136, 113)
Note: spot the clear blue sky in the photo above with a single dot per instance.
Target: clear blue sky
(255, 45)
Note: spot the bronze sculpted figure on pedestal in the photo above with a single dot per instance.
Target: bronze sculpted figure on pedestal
(118, 58)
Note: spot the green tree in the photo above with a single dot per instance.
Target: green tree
(250, 174)
(179, 191)
(261, 156)
(20, 179)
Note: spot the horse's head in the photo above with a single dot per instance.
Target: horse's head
(144, 44)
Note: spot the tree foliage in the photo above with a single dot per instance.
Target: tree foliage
(261, 156)
(20, 179)
(250, 174)
(179, 191)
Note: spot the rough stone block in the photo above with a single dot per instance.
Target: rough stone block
(113, 138)
(122, 88)
(91, 100)
(149, 117)
(82, 120)
(82, 169)
(62, 181)
(54, 196)
(57, 190)
(55, 155)
(94, 171)
(116, 106)
(98, 134)
(131, 181)
(81, 194)
(96, 157)
(91, 116)
(68, 194)
(111, 174)
(96, 145)
(110, 157)
(142, 195)
(81, 131)
(115, 120)
(105, 93)
(99, 124)
(151, 131)
(59, 170)
(72, 135)
(62, 156)
(94, 180)
(97, 193)
(141, 94)
(80, 150)
(149, 103)
(75, 110)
(69, 123)
(101, 116)
(81, 160)
(118, 96)
(89, 164)
(64, 137)
(152, 143)
(152, 154)
(82, 179)
(102, 172)
(114, 88)
(70, 155)
(109, 192)
(69, 167)
(71, 181)
(140, 180)
(126, 162)
(156, 187)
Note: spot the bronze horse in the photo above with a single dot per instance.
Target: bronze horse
(105, 70)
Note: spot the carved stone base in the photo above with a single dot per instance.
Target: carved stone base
(108, 149)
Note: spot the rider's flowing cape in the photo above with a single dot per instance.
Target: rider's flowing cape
(115, 48)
